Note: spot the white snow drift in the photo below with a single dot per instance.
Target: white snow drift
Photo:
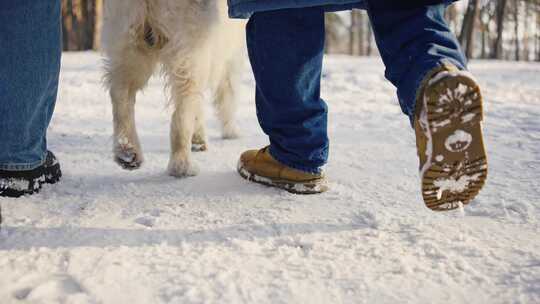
(108, 236)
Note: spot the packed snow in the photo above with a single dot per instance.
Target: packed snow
(104, 235)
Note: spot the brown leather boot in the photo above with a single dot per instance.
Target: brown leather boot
(260, 167)
(448, 125)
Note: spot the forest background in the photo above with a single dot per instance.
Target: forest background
(487, 29)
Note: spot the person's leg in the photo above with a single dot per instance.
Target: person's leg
(29, 68)
(30, 50)
(286, 51)
(413, 43)
(424, 61)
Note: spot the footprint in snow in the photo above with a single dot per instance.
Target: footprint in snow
(149, 219)
(51, 289)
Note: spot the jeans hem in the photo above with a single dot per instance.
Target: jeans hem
(22, 166)
(280, 159)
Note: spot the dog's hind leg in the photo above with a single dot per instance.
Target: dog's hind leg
(187, 96)
(127, 73)
(199, 142)
(225, 103)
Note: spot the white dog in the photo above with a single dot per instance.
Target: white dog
(199, 49)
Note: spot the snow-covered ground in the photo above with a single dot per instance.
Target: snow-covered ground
(109, 236)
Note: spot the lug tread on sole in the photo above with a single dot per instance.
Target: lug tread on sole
(454, 103)
(449, 110)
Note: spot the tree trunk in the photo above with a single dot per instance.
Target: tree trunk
(369, 39)
(498, 47)
(87, 15)
(526, 43)
(484, 44)
(98, 24)
(79, 24)
(516, 30)
(333, 26)
(466, 37)
(362, 34)
(538, 35)
(354, 33)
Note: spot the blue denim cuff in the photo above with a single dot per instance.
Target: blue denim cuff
(22, 166)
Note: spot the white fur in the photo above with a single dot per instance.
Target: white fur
(199, 49)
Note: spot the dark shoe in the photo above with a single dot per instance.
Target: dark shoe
(260, 167)
(19, 183)
(453, 160)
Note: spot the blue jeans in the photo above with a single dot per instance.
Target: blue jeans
(30, 50)
(286, 52)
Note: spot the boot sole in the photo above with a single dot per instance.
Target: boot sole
(456, 168)
(51, 175)
(303, 188)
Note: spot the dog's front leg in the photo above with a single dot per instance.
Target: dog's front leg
(127, 148)
(127, 73)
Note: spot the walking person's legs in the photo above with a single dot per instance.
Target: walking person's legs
(30, 50)
(286, 50)
(424, 61)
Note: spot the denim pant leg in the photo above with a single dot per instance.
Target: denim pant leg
(30, 50)
(286, 51)
(412, 43)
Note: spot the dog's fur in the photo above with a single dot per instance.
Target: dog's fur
(199, 49)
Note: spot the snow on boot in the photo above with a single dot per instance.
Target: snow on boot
(260, 167)
(19, 183)
(448, 125)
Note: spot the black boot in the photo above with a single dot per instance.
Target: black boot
(19, 183)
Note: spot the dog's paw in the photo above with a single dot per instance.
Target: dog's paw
(199, 145)
(128, 157)
(182, 168)
(230, 131)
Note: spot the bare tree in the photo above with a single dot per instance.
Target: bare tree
(369, 37)
(362, 33)
(466, 37)
(538, 33)
(98, 23)
(333, 25)
(500, 15)
(516, 30)
(526, 40)
(502, 28)
(355, 39)
(80, 18)
(485, 20)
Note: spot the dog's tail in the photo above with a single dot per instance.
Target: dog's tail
(151, 37)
